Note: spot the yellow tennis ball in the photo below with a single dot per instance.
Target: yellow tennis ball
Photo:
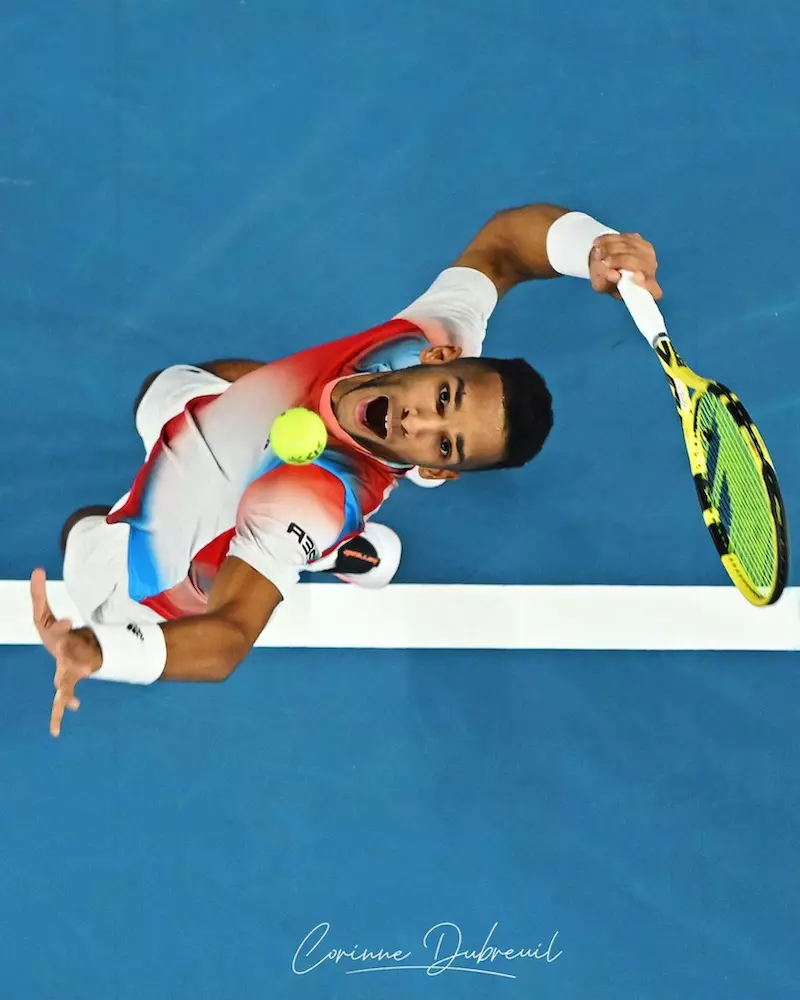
(298, 436)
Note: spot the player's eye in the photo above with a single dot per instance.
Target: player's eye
(444, 399)
(446, 448)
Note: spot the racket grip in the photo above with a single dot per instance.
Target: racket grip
(642, 307)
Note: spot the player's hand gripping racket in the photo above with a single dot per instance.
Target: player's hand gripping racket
(733, 473)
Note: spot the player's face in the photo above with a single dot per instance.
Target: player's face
(443, 416)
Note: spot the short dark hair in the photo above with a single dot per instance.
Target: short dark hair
(528, 408)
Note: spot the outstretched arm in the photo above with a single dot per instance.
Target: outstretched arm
(545, 241)
(205, 647)
(267, 554)
(209, 647)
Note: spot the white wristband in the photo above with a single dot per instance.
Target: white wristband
(132, 653)
(569, 243)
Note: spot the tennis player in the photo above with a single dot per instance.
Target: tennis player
(177, 580)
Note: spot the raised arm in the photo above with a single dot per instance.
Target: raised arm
(512, 246)
(546, 241)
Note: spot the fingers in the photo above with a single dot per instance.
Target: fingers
(64, 700)
(42, 615)
(655, 289)
(627, 262)
(55, 638)
(642, 278)
(622, 242)
(626, 252)
(54, 635)
(615, 274)
(57, 714)
(51, 630)
(66, 677)
(617, 252)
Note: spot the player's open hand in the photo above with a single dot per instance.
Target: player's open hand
(617, 252)
(76, 651)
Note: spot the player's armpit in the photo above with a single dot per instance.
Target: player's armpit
(209, 647)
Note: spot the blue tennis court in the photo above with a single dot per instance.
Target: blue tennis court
(181, 181)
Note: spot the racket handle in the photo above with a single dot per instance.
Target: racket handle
(642, 307)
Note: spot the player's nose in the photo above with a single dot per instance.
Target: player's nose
(413, 422)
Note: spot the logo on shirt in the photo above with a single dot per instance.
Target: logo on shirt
(308, 546)
(135, 630)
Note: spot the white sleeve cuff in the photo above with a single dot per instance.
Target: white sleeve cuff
(281, 573)
(455, 309)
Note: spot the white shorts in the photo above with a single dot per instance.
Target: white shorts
(96, 557)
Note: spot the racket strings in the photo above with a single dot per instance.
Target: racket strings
(736, 490)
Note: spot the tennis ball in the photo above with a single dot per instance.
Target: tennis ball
(298, 436)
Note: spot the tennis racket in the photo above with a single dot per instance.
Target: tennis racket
(733, 474)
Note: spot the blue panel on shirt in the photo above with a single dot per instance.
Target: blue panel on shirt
(143, 576)
(391, 357)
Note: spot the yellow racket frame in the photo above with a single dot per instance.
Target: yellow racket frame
(681, 379)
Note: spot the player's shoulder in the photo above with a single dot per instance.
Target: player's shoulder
(295, 483)
(455, 309)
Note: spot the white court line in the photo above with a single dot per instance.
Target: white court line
(424, 616)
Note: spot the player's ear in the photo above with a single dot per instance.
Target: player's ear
(440, 474)
(440, 355)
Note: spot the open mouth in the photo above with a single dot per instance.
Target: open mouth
(375, 417)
